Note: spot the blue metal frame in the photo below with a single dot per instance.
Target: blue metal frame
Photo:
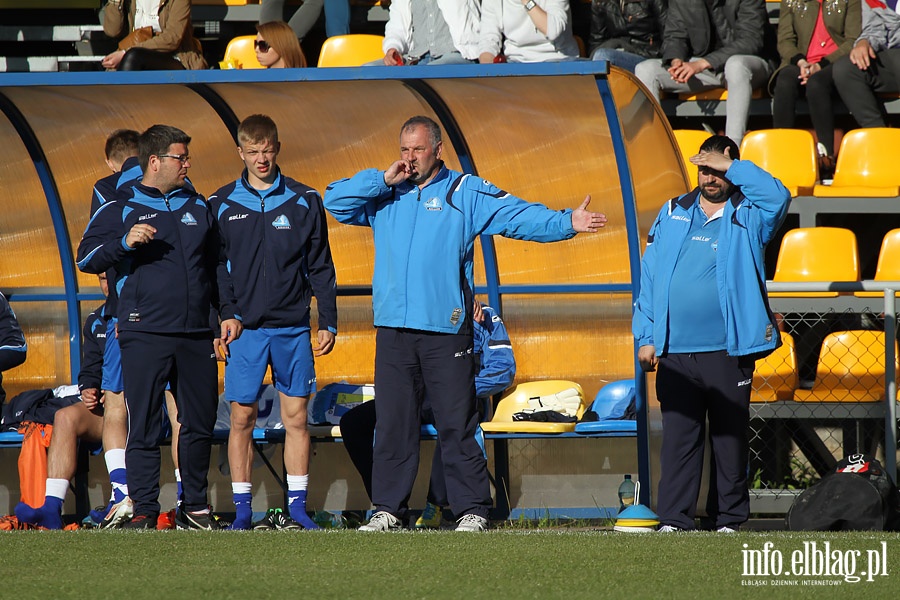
(416, 78)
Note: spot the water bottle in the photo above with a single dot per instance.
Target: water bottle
(626, 493)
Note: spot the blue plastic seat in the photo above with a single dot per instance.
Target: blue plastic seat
(610, 402)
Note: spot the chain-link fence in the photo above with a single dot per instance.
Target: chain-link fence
(821, 396)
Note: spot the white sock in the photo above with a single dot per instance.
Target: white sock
(115, 459)
(242, 487)
(177, 475)
(57, 488)
(297, 483)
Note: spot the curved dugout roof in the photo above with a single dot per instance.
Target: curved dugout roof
(547, 133)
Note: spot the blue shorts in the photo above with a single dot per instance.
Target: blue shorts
(112, 361)
(289, 352)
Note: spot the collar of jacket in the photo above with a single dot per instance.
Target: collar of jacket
(688, 200)
(276, 187)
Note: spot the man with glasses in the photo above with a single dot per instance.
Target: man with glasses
(276, 242)
(163, 242)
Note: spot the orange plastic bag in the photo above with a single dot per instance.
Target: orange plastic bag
(33, 462)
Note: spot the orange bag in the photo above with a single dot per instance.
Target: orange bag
(33, 462)
(139, 35)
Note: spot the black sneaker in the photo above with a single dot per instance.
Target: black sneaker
(140, 522)
(267, 523)
(202, 521)
(284, 521)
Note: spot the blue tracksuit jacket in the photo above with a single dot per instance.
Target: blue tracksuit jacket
(276, 242)
(169, 284)
(493, 355)
(752, 216)
(105, 189)
(424, 240)
(93, 336)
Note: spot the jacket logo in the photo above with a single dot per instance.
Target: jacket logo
(281, 222)
(134, 317)
(680, 218)
(145, 217)
(745, 382)
(434, 204)
(188, 219)
(238, 217)
(700, 238)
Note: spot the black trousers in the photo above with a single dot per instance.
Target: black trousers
(358, 434)
(188, 363)
(143, 59)
(694, 388)
(407, 365)
(858, 88)
(819, 91)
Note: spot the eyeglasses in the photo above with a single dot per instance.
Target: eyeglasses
(182, 158)
(261, 45)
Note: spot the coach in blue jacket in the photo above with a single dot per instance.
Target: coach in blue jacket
(425, 218)
(703, 319)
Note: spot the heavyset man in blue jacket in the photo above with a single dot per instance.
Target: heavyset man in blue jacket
(425, 218)
(276, 242)
(162, 239)
(703, 318)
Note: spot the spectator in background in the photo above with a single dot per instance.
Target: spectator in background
(526, 31)
(873, 65)
(154, 35)
(712, 46)
(277, 47)
(337, 16)
(436, 32)
(12, 342)
(626, 33)
(812, 35)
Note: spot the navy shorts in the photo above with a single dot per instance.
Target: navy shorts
(289, 352)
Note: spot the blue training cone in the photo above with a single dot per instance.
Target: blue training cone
(637, 518)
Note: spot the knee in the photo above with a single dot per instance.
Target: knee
(243, 418)
(68, 418)
(845, 71)
(737, 71)
(647, 71)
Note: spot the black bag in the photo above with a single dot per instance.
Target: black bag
(857, 496)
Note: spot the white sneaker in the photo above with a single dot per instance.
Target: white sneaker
(669, 529)
(471, 523)
(382, 521)
(119, 513)
(726, 529)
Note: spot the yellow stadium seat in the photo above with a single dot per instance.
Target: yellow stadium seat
(816, 254)
(689, 141)
(788, 154)
(516, 400)
(240, 54)
(851, 369)
(888, 268)
(866, 165)
(353, 50)
(775, 377)
(715, 94)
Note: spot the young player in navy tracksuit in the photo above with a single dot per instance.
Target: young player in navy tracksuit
(276, 243)
(163, 241)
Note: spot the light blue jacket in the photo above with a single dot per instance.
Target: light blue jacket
(751, 217)
(424, 240)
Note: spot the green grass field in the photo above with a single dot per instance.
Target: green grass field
(510, 563)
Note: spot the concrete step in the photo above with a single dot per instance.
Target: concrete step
(49, 64)
(58, 33)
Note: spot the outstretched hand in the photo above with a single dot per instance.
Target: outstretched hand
(584, 221)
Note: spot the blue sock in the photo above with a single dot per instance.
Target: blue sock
(119, 485)
(297, 509)
(243, 513)
(50, 514)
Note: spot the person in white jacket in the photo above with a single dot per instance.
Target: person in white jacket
(526, 31)
(436, 32)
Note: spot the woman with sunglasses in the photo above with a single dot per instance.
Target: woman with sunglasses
(277, 47)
